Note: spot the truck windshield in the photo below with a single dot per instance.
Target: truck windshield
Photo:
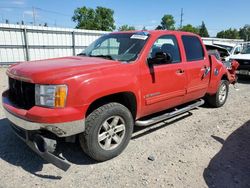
(121, 46)
(246, 50)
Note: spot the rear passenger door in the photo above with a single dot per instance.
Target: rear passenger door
(197, 67)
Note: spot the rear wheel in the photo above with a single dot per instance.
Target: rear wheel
(220, 98)
(108, 131)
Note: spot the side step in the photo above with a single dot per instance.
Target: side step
(169, 115)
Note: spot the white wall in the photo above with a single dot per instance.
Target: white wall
(43, 42)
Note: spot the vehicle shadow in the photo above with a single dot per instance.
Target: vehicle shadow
(231, 166)
(16, 152)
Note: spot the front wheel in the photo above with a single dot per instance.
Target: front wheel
(220, 98)
(108, 131)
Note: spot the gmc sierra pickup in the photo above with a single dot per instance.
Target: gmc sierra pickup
(121, 80)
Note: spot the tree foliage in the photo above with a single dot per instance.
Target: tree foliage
(190, 28)
(203, 30)
(167, 23)
(159, 27)
(100, 18)
(244, 32)
(229, 33)
(126, 28)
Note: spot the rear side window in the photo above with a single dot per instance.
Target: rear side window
(193, 48)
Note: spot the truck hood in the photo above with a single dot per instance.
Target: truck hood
(58, 68)
(240, 56)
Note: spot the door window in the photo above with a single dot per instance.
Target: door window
(193, 48)
(166, 44)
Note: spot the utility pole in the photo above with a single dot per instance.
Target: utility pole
(34, 15)
(182, 14)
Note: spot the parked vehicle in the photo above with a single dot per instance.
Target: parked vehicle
(223, 53)
(241, 53)
(121, 80)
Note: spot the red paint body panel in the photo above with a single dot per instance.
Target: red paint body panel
(89, 79)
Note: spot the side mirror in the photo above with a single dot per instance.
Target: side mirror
(237, 52)
(161, 57)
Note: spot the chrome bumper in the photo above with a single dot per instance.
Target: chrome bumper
(59, 129)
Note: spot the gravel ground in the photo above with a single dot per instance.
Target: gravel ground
(204, 148)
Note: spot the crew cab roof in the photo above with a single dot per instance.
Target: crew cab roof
(158, 32)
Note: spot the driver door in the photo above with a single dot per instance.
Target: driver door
(163, 83)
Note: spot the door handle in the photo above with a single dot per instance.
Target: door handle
(205, 71)
(180, 71)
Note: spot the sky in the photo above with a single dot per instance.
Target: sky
(217, 14)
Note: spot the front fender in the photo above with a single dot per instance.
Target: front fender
(107, 83)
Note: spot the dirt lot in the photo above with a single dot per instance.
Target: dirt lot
(205, 148)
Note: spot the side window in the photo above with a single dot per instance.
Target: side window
(237, 50)
(193, 48)
(167, 44)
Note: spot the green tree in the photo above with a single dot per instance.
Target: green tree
(229, 34)
(245, 33)
(190, 28)
(126, 28)
(159, 27)
(167, 23)
(203, 30)
(221, 34)
(94, 19)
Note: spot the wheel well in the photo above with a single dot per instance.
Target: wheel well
(127, 99)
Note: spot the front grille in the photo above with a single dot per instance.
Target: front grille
(22, 94)
(244, 64)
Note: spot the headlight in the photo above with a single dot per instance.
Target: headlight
(51, 95)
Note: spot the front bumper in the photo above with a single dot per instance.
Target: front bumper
(59, 129)
(31, 125)
(62, 122)
(29, 137)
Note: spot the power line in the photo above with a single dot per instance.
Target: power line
(14, 7)
(38, 8)
(53, 12)
(34, 13)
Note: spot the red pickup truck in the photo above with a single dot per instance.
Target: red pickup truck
(121, 80)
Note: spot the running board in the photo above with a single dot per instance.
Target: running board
(169, 115)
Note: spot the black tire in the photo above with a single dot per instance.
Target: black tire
(216, 100)
(89, 140)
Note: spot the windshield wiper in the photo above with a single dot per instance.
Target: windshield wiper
(103, 56)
